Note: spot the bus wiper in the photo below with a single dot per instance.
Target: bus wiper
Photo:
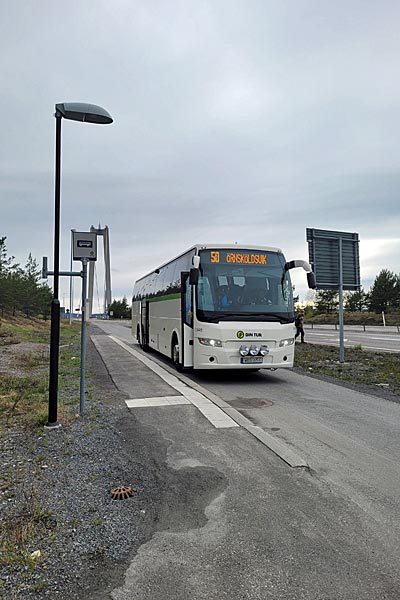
(276, 316)
(267, 316)
(229, 315)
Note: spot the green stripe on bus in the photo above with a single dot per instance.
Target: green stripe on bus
(167, 297)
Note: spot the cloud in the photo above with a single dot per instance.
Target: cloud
(232, 122)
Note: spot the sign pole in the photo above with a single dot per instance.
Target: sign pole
(84, 249)
(341, 326)
(83, 337)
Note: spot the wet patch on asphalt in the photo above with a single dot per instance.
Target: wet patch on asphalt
(248, 403)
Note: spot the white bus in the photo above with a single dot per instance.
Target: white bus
(219, 307)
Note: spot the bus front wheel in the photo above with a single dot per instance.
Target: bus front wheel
(175, 355)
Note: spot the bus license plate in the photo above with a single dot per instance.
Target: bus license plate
(246, 360)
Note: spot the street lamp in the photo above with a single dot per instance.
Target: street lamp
(73, 111)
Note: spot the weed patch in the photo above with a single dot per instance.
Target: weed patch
(361, 367)
(22, 531)
(24, 384)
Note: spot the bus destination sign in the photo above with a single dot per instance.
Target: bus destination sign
(238, 258)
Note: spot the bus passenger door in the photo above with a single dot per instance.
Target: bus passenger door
(187, 321)
(144, 324)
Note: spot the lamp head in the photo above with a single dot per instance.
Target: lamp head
(80, 111)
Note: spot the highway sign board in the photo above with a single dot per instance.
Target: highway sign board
(332, 255)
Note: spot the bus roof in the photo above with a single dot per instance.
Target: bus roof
(199, 247)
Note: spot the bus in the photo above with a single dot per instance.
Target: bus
(219, 307)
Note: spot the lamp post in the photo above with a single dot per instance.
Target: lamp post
(73, 111)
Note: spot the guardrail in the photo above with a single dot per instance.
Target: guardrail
(363, 327)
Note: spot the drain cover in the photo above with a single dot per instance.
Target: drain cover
(122, 492)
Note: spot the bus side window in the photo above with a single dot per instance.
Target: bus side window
(188, 304)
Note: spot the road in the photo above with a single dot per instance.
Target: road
(327, 531)
(383, 339)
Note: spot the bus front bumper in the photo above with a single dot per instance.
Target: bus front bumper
(228, 358)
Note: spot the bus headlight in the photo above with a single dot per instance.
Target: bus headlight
(264, 350)
(210, 342)
(244, 350)
(254, 350)
(288, 342)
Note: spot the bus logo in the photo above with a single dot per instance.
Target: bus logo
(240, 335)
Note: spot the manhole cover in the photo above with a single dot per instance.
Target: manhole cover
(247, 403)
(122, 492)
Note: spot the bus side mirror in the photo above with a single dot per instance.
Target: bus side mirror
(194, 276)
(311, 280)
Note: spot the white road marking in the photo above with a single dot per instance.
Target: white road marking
(215, 415)
(363, 346)
(322, 334)
(370, 337)
(375, 348)
(157, 401)
(385, 338)
(336, 339)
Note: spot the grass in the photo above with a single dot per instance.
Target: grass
(24, 393)
(21, 531)
(372, 369)
(24, 405)
(19, 329)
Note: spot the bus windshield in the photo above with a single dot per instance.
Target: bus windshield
(243, 285)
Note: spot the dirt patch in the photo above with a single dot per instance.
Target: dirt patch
(12, 357)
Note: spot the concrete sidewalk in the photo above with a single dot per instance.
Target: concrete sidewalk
(150, 384)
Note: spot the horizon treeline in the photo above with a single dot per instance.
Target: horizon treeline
(20, 287)
(21, 290)
(384, 296)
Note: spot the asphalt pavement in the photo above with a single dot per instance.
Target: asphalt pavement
(270, 530)
(369, 337)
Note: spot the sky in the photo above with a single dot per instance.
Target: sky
(234, 121)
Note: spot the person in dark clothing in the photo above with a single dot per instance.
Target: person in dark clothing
(299, 322)
(224, 297)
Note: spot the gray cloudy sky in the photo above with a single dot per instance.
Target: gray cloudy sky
(235, 120)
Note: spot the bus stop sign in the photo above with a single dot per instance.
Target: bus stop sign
(84, 245)
(334, 258)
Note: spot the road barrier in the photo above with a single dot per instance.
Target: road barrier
(363, 327)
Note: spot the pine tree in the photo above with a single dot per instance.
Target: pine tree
(357, 301)
(385, 292)
(20, 288)
(6, 262)
(119, 309)
(326, 301)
